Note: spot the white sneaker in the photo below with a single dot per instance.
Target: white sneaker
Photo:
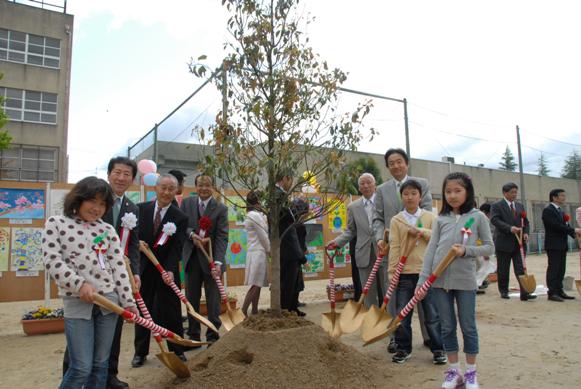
(452, 380)
(470, 380)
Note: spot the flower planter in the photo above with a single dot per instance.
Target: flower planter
(43, 326)
(204, 308)
(342, 295)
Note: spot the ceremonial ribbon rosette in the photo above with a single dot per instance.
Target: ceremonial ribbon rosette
(466, 231)
(100, 249)
(168, 230)
(566, 218)
(128, 222)
(205, 225)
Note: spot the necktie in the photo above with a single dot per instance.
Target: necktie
(397, 186)
(512, 209)
(157, 220)
(116, 210)
(201, 208)
(369, 210)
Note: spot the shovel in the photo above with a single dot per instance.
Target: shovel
(578, 282)
(527, 282)
(170, 336)
(353, 312)
(149, 254)
(330, 320)
(169, 359)
(376, 319)
(232, 317)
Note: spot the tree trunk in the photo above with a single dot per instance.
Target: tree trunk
(275, 271)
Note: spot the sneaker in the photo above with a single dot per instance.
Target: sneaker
(470, 380)
(452, 380)
(401, 356)
(439, 358)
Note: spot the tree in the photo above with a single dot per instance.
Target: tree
(507, 161)
(572, 168)
(543, 169)
(348, 180)
(281, 114)
(5, 137)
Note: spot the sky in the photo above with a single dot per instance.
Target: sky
(470, 71)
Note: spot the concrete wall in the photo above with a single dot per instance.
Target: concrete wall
(33, 20)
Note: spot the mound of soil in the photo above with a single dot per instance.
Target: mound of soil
(269, 351)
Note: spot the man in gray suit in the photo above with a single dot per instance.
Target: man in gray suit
(359, 219)
(388, 204)
(196, 265)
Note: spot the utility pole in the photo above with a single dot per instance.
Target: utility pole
(520, 168)
(407, 132)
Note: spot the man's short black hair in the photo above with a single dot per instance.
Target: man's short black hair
(554, 193)
(179, 175)
(509, 186)
(397, 151)
(203, 175)
(410, 184)
(123, 161)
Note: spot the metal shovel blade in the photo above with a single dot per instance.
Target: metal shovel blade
(231, 318)
(352, 316)
(528, 282)
(374, 323)
(176, 365)
(330, 323)
(578, 285)
(385, 332)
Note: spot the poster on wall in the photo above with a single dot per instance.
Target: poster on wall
(21, 203)
(57, 201)
(4, 248)
(315, 264)
(236, 209)
(315, 207)
(237, 248)
(26, 250)
(314, 236)
(338, 217)
(343, 258)
(134, 196)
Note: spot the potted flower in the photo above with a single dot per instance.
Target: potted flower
(343, 292)
(232, 300)
(43, 320)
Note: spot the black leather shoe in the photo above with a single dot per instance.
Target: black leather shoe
(504, 295)
(554, 297)
(115, 383)
(182, 357)
(138, 360)
(392, 346)
(565, 296)
(526, 297)
(300, 313)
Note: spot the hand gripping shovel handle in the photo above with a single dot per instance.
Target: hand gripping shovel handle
(332, 278)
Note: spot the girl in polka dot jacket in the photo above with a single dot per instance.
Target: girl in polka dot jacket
(83, 255)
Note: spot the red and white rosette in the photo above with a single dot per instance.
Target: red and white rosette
(205, 225)
(128, 223)
(168, 230)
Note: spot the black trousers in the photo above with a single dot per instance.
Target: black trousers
(556, 270)
(164, 307)
(113, 357)
(503, 260)
(289, 272)
(354, 270)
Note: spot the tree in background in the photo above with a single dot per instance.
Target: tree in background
(5, 137)
(348, 180)
(572, 168)
(281, 115)
(543, 169)
(507, 161)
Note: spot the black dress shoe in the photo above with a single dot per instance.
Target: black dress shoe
(504, 295)
(138, 360)
(554, 297)
(300, 313)
(565, 296)
(526, 297)
(182, 357)
(115, 383)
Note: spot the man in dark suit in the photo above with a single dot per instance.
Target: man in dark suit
(163, 228)
(121, 173)
(291, 253)
(196, 264)
(506, 215)
(556, 231)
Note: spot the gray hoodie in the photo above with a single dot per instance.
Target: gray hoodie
(461, 273)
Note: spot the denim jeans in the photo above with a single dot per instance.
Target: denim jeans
(466, 302)
(89, 344)
(403, 335)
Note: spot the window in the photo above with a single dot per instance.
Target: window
(30, 106)
(30, 49)
(29, 163)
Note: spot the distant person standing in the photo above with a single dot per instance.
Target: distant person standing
(557, 228)
(507, 217)
(180, 176)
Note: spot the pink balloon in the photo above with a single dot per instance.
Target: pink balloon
(146, 166)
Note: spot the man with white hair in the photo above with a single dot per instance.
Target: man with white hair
(359, 224)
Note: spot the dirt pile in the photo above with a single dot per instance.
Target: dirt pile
(281, 352)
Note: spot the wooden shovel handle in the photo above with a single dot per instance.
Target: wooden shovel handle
(134, 288)
(107, 304)
(144, 248)
(223, 294)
